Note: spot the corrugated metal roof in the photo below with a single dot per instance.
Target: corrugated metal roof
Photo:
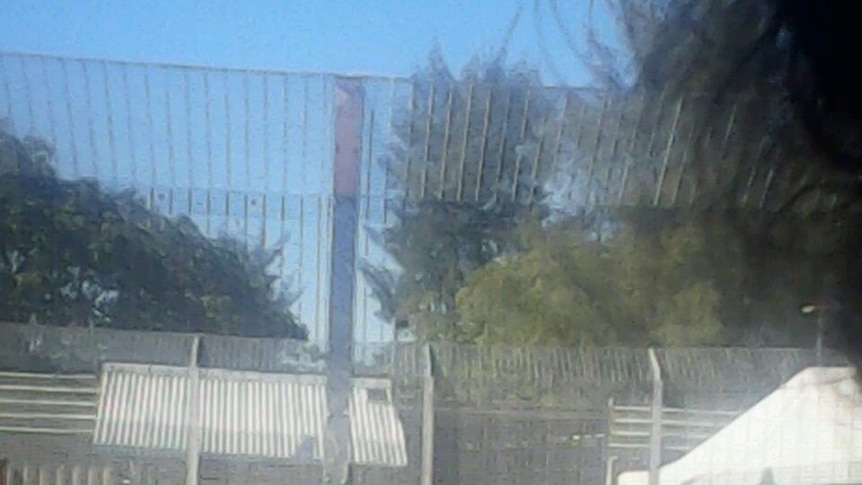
(277, 416)
(143, 406)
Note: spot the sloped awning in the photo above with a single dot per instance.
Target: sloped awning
(276, 416)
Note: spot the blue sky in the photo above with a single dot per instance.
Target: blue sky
(278, 140)
(385, 37)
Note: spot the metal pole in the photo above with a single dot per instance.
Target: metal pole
(609, 471)
(609, 460)
(194, 416)
(656, 415)
(349, 113)
(428, 421)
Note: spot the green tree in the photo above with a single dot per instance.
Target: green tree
(704, 146)
(74, 254)
(470, 157)
(572, 287)
(734, 153)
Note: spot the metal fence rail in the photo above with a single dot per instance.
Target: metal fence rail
(682, 429)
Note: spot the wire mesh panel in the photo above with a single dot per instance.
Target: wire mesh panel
(250, 154)
(244, 154)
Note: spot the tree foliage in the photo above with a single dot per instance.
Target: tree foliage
(74, 254)
(634, 283)
(473, 138)
(573, 288)
(748, 75)
(797, 53)
(468, 162)
(734, 214)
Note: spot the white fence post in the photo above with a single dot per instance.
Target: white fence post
(609, 459)
(428, 420)
(194, 416)
(656, 409)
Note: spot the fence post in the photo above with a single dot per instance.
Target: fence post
(609, 460)
(656, 408)
(194, 415)
(349, 113)
(428, 419)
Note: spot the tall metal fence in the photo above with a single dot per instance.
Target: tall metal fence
(242, 153)
(250, 154)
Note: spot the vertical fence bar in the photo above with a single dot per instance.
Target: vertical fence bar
(7, 91)
(411, 132)
(464, 142)
(447, 137)
(426, 159)
(594, 157)
(265, 141)
(366, 196)
(169, 132)
(656, 409)
(190, 165)
(537, 161)
(668, 151)
(194, 415)
(606, 448)
(227, 129)
(112, 144)
(28, 96)
(483, 149)
(522, 134)
(428, 420)
(49, 104)
(348, 154)
(501, 151)
(246, 133)
(150, 129)
(282, 188)
(133, 157)
(303, 193)
(88, 100)
(631, 147)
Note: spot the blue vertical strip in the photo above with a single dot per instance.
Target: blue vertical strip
(343, 280)
(345, 216)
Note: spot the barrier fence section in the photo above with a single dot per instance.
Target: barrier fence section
(247, 154)
(545, 416)
(250, 153)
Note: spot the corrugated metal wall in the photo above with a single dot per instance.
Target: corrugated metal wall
(40, 403)
(243, 414)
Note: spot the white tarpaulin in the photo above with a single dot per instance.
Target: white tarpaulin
(809, 431)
